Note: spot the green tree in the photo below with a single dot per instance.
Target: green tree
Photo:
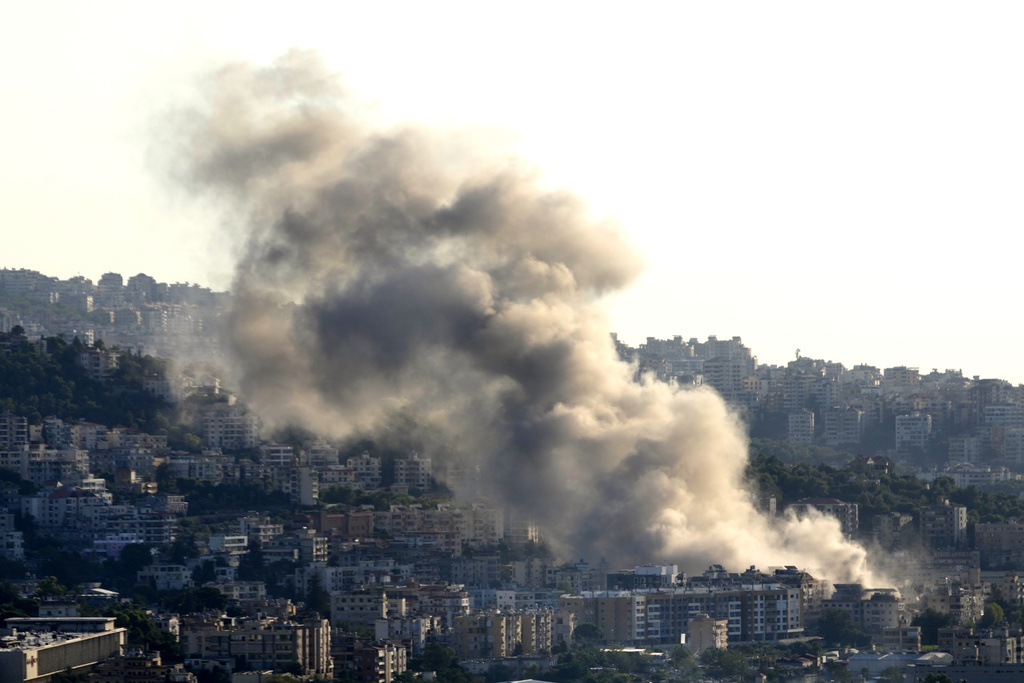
(142, 630)
(13, 605)
(930, 621)
(892, 674)
(587, 634)
(837, 627)
(725, 663)
(183, 548)
(838, 672)
(133, 557)
(50, 587)
(318, 599)
(993, 616)
(680, 654)
(937, 678)
(199, 600)
(437, 657)
(685, 664)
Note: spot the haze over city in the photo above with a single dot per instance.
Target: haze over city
(367, 342)
(838, 180)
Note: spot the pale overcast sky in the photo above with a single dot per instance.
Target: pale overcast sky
(845, 178)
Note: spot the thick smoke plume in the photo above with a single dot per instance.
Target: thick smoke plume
(429, 272)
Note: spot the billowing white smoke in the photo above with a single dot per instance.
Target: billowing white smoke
(422, 271)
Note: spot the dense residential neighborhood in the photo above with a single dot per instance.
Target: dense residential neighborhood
(149, 522)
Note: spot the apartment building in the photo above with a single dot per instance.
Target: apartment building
(494, 633)
(44, 646)
(846, 513)
(873, 610)
(944, 525)
(413, 472)
(230, 427)
(705, 632)
(800, 427)
(913, 431)
(259, 643)
(755, 606)
(367, 471)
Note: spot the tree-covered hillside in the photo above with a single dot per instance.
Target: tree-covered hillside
(879, 494)
(35, 385)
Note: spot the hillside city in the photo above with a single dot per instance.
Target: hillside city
(153, 529)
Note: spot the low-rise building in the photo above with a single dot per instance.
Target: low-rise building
(259, 643)
(413, 472)
(367, 471)
(365, 662)
(136, 666)
(166, 576)
(901, 639)
(37, 648)
(360, 607)
(913, 431)
(872, 609)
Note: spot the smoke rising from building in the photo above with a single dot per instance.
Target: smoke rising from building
(426, 271)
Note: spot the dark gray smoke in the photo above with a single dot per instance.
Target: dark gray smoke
(423, 271)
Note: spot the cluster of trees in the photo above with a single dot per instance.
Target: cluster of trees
(837, 627)
(142, 630)
(36, 385)
(880, 494)
(205, 497)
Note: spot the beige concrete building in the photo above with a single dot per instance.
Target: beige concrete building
(414, 472)
(260, 643)
(706, 632)
(485, 635)
(140, 667)
(360, 607)
(41, 647)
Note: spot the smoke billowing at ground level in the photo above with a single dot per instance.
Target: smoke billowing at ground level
(407, 270)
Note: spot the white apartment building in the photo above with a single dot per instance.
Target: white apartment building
(259, 529)
(98, 364)
(230, 428)
(166, 576)
(1004, 415)
(321, 454)
(414, 472)
(301, 483)
(338, 476)
(477, 525)
(361, 607)
(277, 455)
(913, 430)
(367, 471)
(843, 426)
(801, 427)
(13, 430)
(968, 448)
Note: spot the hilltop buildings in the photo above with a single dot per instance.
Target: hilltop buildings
(828, 404)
